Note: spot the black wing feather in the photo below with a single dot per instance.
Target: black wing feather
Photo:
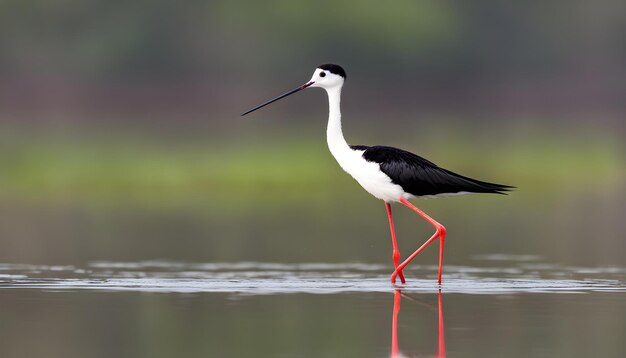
(421, 177)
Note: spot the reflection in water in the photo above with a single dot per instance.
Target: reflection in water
(441, 341)
(397, 298)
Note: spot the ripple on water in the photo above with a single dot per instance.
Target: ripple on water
(520, 275)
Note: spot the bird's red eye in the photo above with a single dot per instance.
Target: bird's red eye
(322, 74)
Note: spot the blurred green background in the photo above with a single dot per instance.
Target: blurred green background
(120, 135)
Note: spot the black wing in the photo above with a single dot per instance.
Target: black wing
(419, 176)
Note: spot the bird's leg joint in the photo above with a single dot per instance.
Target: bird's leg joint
(396, 257)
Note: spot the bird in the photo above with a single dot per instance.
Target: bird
(389, 174)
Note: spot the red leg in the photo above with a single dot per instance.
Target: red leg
(440, 233)
(396, 252)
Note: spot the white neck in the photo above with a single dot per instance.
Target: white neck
(334, 134)
(366, 173)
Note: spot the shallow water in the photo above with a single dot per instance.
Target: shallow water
(513, 306)
(256, 278)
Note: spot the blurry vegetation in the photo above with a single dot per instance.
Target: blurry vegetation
(105, 41)
(162, 64)
(133, 106)
(141, 170)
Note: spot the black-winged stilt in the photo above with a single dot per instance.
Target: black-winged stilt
(389, 174)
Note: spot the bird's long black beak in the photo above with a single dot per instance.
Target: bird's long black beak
(279, 97)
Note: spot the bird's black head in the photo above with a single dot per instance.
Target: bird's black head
(336, 69)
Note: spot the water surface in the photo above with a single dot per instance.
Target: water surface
(257, 278)
(514, 306)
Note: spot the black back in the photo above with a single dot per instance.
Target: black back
(421, 177)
